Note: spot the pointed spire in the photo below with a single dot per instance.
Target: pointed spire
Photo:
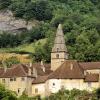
(59, 44)
(59, 31)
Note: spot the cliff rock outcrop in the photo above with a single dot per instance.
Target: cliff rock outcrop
(11, 24)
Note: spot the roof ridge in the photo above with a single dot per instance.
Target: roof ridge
(23, 69)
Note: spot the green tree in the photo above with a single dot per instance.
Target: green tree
(6, 94)
(4, 3)
(39, 9)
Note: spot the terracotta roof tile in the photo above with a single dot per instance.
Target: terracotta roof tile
(68, 70)
(1, 71)
(40, 79)
(90, 65)
(92, 77)
(40, 70)
(18, 70)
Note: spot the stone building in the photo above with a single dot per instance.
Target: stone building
(44, 79)
(66, 73)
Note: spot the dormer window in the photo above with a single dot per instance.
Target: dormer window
(57, 55)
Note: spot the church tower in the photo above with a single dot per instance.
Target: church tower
(59, 52)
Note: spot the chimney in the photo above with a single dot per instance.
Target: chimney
(42, 66)
(35, 72)
(30, 69)
(30, 64)
(5, 66)
(71, 66)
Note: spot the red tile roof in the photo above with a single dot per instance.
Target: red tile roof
(18, 70)
(70, 69)
(91, 77)
(40, 79)
(40, 70)
(90, 65)
(1, 71)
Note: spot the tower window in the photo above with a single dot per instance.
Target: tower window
(57, 49)
(57, 55)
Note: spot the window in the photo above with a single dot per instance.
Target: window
(53, 84)
(18, 90)
(36, 90)
(89, 84)
(57, 55)
(22, 78)
(3, 80)
(57, 49)
(12, 79)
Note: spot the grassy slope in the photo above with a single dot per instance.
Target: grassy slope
(25, 47)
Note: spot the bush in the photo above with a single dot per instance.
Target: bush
(6, 94)
(10, 61)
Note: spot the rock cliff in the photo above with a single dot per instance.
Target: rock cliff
(11, 24)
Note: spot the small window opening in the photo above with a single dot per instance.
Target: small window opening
(18, 90)
(36, 90)
(57, 55)
(53, 84)
(57, 49)
(3, 80)
(22, 78)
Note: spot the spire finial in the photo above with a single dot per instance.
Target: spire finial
(60, 26)
(59, 30)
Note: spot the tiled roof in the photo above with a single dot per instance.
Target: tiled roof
(40, 79)
(18, 70)
(1, 71)
(92, 77)
(40, 70)
(90, 65)
(70, 69)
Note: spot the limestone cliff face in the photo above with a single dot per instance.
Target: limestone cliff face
(11, 24)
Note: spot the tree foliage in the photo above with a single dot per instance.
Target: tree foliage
(6, 94)
(10, 61)
(4, 3)
(80, 20)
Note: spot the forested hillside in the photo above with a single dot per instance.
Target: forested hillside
(80, 20)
